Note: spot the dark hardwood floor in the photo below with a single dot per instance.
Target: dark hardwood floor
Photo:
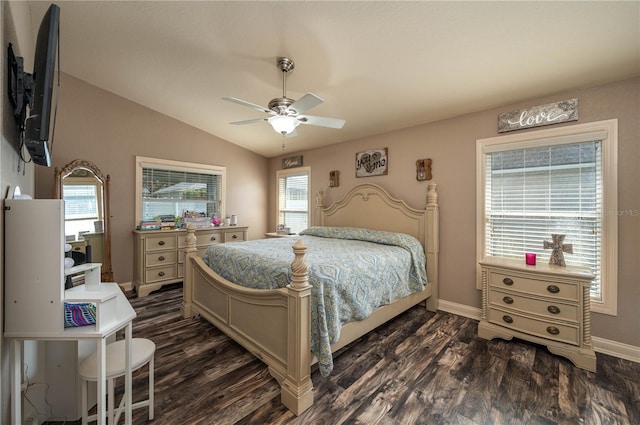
(420, 368)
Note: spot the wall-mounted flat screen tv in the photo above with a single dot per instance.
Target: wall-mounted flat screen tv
(31, 94)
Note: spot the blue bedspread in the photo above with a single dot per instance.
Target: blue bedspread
(352, 272)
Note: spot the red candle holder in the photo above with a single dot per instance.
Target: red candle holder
(530, 258)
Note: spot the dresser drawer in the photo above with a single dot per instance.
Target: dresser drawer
(542, 328)
(160, 242)
(209, 237)
(182, 254)
(155, 274)
(551, 310)
(160, 258)
(514, 282)
(233, 236)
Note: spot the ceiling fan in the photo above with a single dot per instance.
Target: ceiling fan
(287, 114)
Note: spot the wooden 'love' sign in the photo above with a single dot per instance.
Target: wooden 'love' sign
(537, 116)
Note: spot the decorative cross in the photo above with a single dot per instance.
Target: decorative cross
(558, 247)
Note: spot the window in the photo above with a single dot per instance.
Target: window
(561, 181)
(82, 204)
(293, 198)
(165, 187)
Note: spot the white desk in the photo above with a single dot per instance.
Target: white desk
(113, 314)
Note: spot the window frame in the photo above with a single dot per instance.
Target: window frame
(607, 132)
(189, 167)
(289, 172)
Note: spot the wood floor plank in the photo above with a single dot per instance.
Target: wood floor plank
(420, 368)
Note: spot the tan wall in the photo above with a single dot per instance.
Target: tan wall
(451, 145)
(111, 131)
(16, 28)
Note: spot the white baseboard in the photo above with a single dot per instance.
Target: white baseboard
(126, 286)
(459, 309)
(600, 345)
(616, 349)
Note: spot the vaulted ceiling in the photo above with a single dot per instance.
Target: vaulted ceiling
(380, 65)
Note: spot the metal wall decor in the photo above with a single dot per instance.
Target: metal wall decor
(537, 116)
(373, 162)
(334, 178)
(423, 169)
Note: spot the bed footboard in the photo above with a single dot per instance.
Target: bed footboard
(274, 325)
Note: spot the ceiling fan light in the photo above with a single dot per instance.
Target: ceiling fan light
(283, 124)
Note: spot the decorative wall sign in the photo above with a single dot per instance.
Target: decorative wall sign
(423, 169)
(372, 163)
(292, 161)
(537, 116)
(334, 178)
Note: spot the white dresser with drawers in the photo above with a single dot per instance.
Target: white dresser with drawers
(159, 254)
(544, 304)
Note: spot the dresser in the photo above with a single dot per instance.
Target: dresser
(543, 303)
(159, 254)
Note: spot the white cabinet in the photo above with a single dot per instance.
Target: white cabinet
(35, 295)
(545, 304)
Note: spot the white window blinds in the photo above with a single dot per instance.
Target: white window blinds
(170, 192)
(534, 192)
(81, 201)
(293, 201)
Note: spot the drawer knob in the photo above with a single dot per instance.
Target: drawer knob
(213, 238)
(553, 330)
(508, 300)
(161, 274)
(509, 319)
(161, 243)
(161, 258)
(553, 289)
(235, 236)
(553, 309)
(507, 281)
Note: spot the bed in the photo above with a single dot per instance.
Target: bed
(275, 324)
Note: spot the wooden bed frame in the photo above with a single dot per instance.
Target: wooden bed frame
(274, 325)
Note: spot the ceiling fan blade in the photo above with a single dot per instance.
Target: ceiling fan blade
(255, 120)
(249, 104)
(321, 121)
(305, 103)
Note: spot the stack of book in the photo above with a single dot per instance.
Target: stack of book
(167, 221)
(149, 225)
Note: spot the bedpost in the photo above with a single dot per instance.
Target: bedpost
(297, 388)
(432, 244)
(318, 210)
(190, 250)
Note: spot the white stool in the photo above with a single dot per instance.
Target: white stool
(142, 352)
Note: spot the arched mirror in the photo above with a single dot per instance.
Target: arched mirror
(85, 191)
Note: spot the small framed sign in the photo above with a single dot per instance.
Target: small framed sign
(537, 116)
(292, 161)
(373, 162)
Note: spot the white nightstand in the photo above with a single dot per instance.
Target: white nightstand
(545, 304)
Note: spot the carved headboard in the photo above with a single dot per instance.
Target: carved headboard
(370, 206)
